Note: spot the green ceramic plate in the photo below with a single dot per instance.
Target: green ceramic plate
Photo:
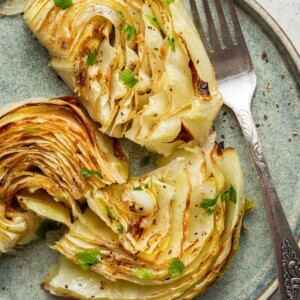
(24, 73)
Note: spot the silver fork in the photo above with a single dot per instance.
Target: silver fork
(237, 81)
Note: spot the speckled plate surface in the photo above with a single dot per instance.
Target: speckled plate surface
(24, 73)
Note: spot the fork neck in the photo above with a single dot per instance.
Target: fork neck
(238, 91)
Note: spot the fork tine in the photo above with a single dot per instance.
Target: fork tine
(198, 22)
(236, 24)
(211, 26)
(224, 27)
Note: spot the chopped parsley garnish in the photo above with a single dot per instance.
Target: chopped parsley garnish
(64, 4)
(46, 226)
(176, 267)
(145, 161)
(131, 31)
(230, 194)
(153, 22)
(144, 273)
(138, 188)
(149, 184)
(128, 78)
(208, 204)
(172, 44)
(87, 173)
(110, 214)
(88, 258)
(169, 1)
(121, 15)
(92, 58)
(125, 27)
(32, 128)
(120, 228)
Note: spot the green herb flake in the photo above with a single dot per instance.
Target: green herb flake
(128, 78)
(208, 204)
(87, 173)
(138, 188)
(209, 210)
(153, 22)
(45, 227)
(110, 214)
(88, 258)
(145, 161)
(172, 44)
(32, 128)
(131, 31)
(121, 15)
(92, 58)
(176, 267)
(99, 174)
(230, 195)
(64, 4)
(149, 184)
(169, 1)
(144, 273)
(120, 228)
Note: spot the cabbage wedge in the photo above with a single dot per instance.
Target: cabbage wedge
(138, 67)
(166, 235)
(51, 154)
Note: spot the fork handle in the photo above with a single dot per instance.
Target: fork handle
(286, 249)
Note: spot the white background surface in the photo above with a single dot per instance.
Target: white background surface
(287, 14)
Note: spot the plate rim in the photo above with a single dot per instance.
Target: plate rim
(256, 8)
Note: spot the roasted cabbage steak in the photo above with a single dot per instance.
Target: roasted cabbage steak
(168, 234)
(138, 67)
(51, 154)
